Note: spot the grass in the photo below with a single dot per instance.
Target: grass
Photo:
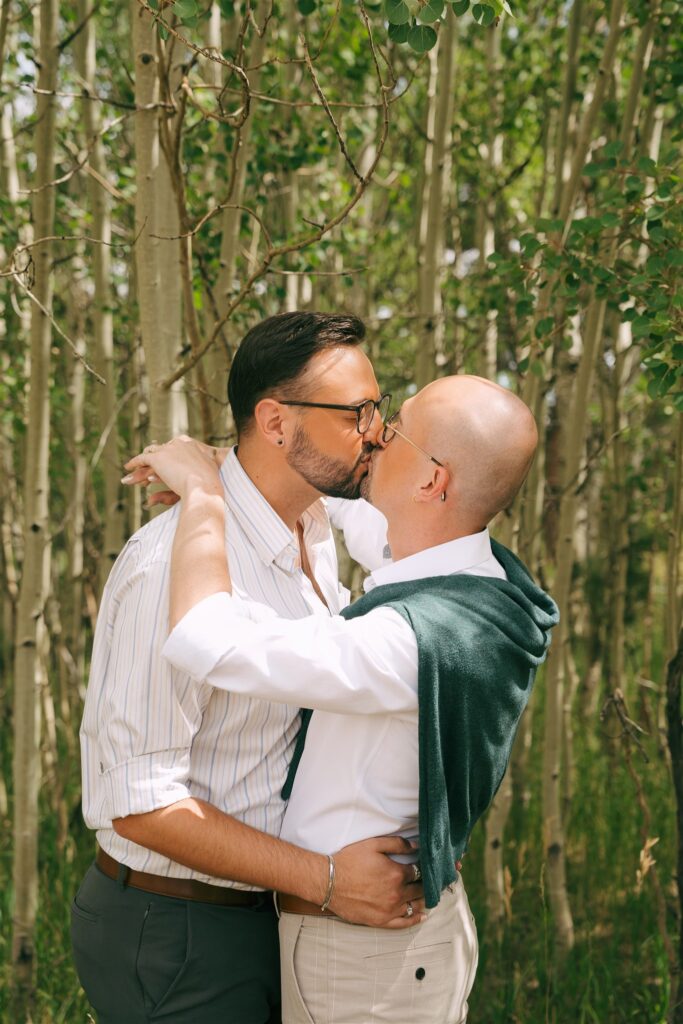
(617, 972)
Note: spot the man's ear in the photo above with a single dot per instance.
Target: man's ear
(270, 418)
(436, 489)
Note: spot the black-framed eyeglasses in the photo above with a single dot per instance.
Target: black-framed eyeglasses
(365, 411)
(390, 430)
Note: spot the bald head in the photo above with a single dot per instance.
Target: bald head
(486, 436)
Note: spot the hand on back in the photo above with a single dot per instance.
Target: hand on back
(178, 465)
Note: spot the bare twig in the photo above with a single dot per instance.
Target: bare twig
(323, 100)
(46, 312)
(301, 242)
(79, 28)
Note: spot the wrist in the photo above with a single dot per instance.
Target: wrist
(202, 490)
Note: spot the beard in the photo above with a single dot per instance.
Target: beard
(329, 476)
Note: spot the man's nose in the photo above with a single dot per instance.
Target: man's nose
(373, 434)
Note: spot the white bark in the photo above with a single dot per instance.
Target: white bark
(36, 568)
(102, 317)
(430, 252)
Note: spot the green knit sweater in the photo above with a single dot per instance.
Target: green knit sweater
(480, 641)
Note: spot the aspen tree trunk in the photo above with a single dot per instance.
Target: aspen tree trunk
(488, 345)
(431, 243)
(555, 678)
(74, 638)
(170, 333)
(291, 180)
(574, 446)
(147, 248)
(216, 362)
(11, 542)
(102, 318)
(673, 556)
(232, 219)
(36, 568)
(494, 872)
(4, 31)
(674, 649)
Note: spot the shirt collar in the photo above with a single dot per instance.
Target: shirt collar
(271, 538)
(441, 560)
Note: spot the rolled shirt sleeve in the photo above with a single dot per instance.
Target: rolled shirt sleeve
(148, 712)
(366, 665)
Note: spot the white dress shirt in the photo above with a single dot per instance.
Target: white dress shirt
(358, 776)
(152, 734)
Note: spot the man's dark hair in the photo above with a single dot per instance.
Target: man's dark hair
(275, 353)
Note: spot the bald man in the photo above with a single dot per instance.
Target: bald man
(418, 689)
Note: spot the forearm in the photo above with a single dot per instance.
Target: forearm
(370, 887)
(200, 836)
(199, 566)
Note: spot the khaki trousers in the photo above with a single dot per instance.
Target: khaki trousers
(339, 973)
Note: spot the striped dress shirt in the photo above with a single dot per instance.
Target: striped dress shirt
(152, 735)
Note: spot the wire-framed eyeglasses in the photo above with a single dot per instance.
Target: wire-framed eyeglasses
(390, 430)
(365, 411)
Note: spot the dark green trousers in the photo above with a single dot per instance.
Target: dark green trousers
(142, 957)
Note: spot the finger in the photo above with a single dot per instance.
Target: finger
(137, 460)
(398, 923)
(162, 498)
(394, 844)
(413, 891)
(138, 475)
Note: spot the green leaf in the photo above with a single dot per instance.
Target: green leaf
(431, 12)
(460, 7)
(647, 165)
(634, 183)
(523, 365)
(227, 8)
(306, 6)
(593, 169)
(483, 14)
(544, 326)
(655, 213)
(163, 32)
(422, 38)
(641, 327)
(548, 225)
(186, 9)
(613, 148)
(397, 12)
(399, 33)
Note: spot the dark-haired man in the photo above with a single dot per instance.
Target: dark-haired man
(182, 782)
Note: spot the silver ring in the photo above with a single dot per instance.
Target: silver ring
(410, 911)
(417, 873)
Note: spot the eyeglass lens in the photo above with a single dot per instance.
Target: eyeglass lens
(367, 412)
(388, 432)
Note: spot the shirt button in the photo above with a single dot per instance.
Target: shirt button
(420, 973)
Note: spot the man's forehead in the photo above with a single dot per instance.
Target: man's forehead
(343, 372)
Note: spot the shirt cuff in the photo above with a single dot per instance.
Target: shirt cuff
(147, 782)
(198, 641)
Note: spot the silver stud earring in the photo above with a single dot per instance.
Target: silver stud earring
(281, 442)
(443, 495)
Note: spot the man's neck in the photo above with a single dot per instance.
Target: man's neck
(282, 487)
(408, 538)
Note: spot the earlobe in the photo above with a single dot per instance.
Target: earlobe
(270, 416)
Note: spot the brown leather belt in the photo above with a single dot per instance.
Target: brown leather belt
(295, 905)
(178, 888)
